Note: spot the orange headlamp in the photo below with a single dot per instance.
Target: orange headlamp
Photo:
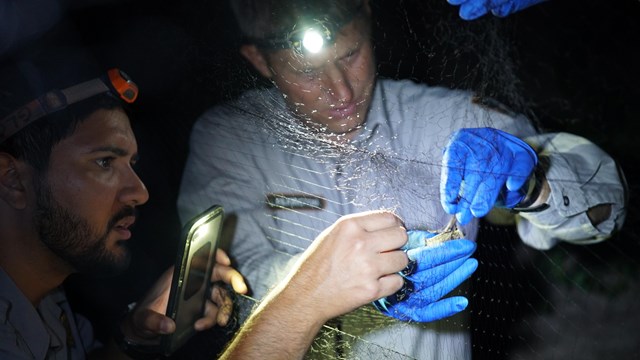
(123, 85)
(116, 82)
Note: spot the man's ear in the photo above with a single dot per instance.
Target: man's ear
(257, 59)
(12, 189)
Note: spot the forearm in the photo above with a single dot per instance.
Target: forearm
(281, 328)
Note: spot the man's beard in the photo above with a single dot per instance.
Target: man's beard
(73, 240)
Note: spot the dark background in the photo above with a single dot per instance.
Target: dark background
(570, 65)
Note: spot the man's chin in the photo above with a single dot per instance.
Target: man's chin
(345, 125)
(339, 130)
(108, 270)
(343, 132)
(113, 264)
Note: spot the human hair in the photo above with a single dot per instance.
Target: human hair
(34, 143)
(264, 19)
(43, 71)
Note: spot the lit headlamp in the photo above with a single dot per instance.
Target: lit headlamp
(307, 37)
(114, 81)
(310, 34)
(313, 38)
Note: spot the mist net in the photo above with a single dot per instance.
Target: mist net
(284, 182)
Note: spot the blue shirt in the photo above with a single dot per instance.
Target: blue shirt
(49, 331)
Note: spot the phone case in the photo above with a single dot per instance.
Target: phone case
(191, 283)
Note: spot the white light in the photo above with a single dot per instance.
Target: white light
(312, 41)
(201, 232)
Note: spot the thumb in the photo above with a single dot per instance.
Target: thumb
(148, 324)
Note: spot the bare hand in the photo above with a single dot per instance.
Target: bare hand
(352, 263)
(220, 306)
(147, 320)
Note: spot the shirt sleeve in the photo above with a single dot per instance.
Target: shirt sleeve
(580, 175)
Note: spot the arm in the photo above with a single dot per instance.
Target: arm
(580, 186)
(586, 193)
(358, 256)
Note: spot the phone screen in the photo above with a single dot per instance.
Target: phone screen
(191, 279)
(197, 271)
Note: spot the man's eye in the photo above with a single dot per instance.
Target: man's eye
(105, 162)
(350, 56)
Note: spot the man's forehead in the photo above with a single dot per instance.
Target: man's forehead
(350, 38)
(104, 127)
(276, 20)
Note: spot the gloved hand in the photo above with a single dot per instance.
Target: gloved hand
(473, 9)
(436, 270)
(480, 164)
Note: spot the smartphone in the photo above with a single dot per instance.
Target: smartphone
(191, 284)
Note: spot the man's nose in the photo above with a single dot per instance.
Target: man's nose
(338, 85)
(134, 191)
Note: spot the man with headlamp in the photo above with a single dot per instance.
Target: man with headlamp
(330, 139)
(68, 199)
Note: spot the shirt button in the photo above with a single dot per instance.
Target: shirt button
(565, 199)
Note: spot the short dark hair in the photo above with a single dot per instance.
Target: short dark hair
(263, 19)
(34, 143)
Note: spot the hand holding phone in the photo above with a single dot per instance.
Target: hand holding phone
(191, 283)
(185, 291)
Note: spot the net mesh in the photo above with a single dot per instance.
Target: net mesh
(524, 303)
(570, 302)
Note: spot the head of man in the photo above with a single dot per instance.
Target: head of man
(328, 86)
(68, 179)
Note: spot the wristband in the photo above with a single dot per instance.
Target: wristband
(536, 183)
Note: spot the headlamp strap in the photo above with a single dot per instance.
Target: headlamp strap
(56, 100)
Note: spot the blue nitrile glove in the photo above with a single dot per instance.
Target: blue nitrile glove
(436, 271)
(473, 9)
(480, 164)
